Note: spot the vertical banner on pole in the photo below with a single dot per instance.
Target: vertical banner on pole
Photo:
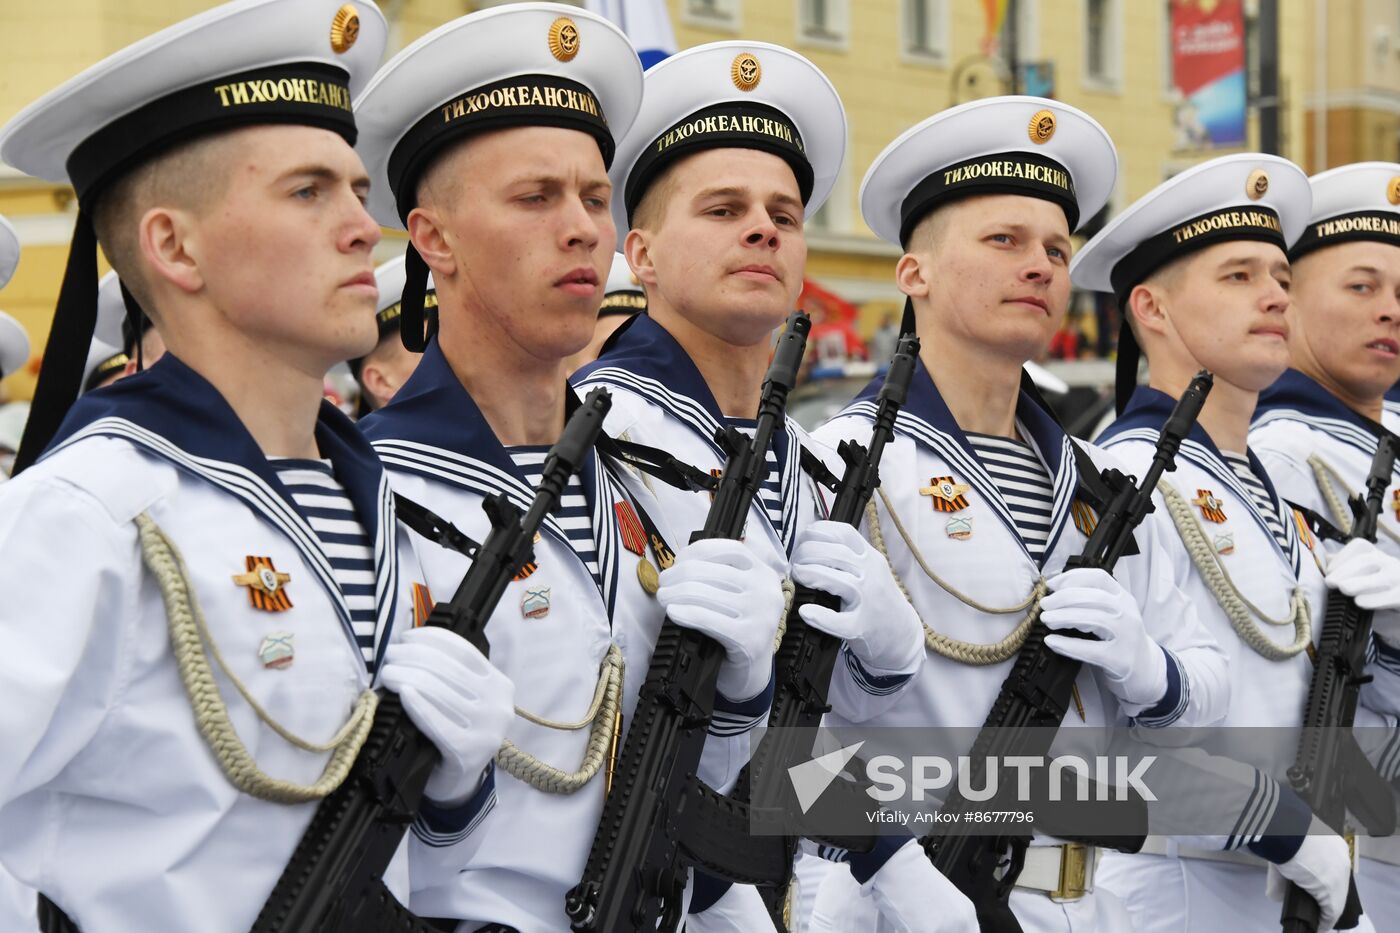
(1208, 73)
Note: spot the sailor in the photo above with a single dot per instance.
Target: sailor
(1316, 428)
(381, 372)
(983, 497)
(735, 144)
(488, 140)
(205, 579)
(1200, 269)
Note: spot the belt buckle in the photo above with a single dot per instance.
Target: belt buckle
(1074, 872)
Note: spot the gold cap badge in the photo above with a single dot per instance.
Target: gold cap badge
(1392, 190)
(563, 39)
(1042, 127)
(746, 71)
(1257, 185)
(345, 28)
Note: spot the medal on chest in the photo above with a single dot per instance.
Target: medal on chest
(946, 494)
(266, 585)
(1212, 509)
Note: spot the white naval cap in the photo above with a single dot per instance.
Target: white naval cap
(14, 342)
(1353, 202)
(9, 251)
(106, 353)
(623, 294)
(733, 95)
(526, 64)
(243, 63)
(1245, 196)
(1000, 145)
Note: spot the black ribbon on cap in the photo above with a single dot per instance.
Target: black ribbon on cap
(414, 334)
(1374, 226)
(728, 125)
(1023, 173)
(1256, 223)
(61, 375)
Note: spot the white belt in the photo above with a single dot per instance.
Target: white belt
(1064, 872)
(1384, 849)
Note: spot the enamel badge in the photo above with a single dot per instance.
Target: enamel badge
(535, 603)
(1211, 508)
(634, 536)
(276, 651)
(266, 585)
(947, 495)
(960, 529)
(1225, 544)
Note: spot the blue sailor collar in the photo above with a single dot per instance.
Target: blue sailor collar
(1295, 391)
(643, 356)
(1148, 410)
(925, 418)
(175, 413)
(434, 428)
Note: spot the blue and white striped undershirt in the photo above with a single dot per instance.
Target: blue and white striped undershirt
(571, 513)
(1260, 495)
(1024, 484)
(332, 516)
(771, 492)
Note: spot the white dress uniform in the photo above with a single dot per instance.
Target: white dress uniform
(583, 604)
(726, 95)
(1270, 567)
(524, 847)
(970, 538)
(1310, 442)
(16, 900)
(110, 801)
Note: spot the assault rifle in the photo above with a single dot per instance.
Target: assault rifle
(1328, 757)
(333, 883)
(806, 656)
(659, 819)
(1035, 695)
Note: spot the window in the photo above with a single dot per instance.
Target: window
(711, 14)
(822, 22)
(1102, 43)
(925, 33)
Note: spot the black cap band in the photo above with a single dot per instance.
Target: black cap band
(1024, 173)
(303, 93)
(1376, 226)
(112, 364)
(622, 303)
(1218, 226)
(730, 125)
(524, 100)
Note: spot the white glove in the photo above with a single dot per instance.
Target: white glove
(1366, 574)
(1092, 601)
(914, 897)
(1322, 867)
(459, 701)
(876, 621)
(719, 587)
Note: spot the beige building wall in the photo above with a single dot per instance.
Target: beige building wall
(886, 88)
